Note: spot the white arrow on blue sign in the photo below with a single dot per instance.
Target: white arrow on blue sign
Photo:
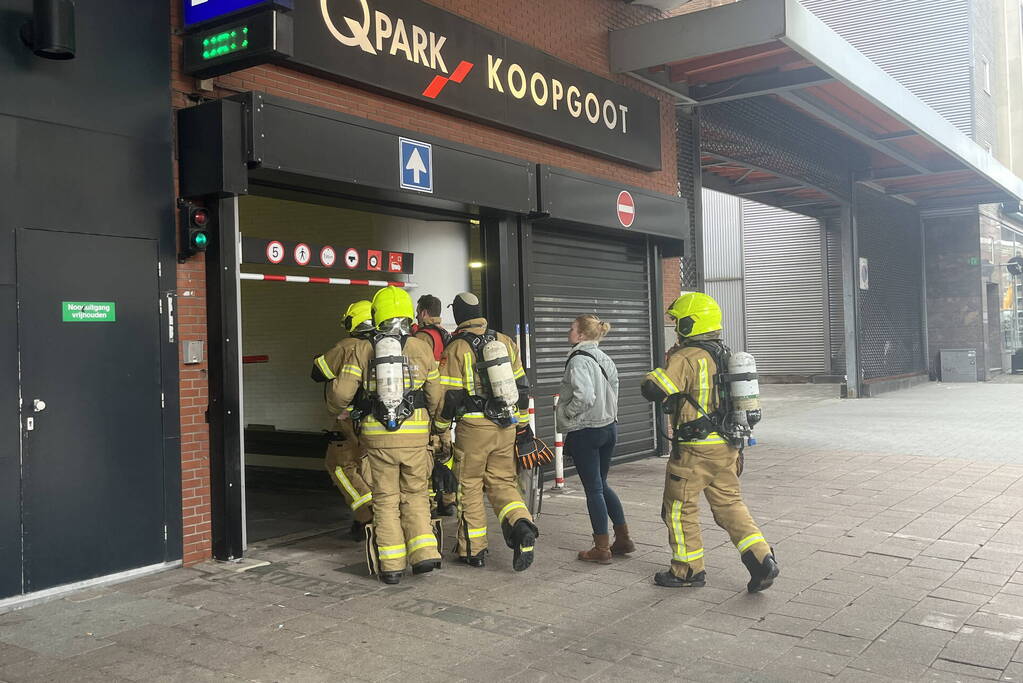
(416, 165)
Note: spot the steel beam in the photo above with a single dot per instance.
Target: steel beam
(815, 107)
(760, 84)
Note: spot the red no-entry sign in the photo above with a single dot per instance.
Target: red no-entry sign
(626, 208)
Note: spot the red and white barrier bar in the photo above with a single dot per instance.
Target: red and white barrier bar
(305, 279)
(559, 450)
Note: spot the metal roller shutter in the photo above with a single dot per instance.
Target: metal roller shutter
(575, 273)
(784, 281)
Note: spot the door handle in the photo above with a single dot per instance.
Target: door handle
(38, 405)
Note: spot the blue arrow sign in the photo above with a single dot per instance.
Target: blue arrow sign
(416, 165)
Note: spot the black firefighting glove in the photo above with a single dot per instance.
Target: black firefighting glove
(530, 450)
(443, 479)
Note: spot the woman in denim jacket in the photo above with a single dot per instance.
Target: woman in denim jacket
(587, 415)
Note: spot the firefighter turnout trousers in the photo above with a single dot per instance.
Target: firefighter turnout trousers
(485, 459)
(404, 533)
(710, 469)
(348, 470)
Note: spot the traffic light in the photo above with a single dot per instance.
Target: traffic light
(196, 224)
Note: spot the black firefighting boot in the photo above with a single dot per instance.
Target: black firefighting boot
(691, 580)
(761, 573)
(425, 567)
(391, 578)
(477, 560)
(520, 537)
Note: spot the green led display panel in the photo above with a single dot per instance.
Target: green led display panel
(226, 42)
(265, 36)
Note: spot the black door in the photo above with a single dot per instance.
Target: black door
(92, 469)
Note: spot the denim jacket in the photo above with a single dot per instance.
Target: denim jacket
(587, 399)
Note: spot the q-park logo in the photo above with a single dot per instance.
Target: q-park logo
(379, 34)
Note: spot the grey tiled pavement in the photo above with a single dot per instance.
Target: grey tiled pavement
(897, 522)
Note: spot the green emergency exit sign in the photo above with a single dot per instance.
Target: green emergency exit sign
(89, 311)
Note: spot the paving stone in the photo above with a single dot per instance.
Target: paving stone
(904, 651)
(980, 647)
(948, 615)
(835, 643)
(786, 625)
(962, 670)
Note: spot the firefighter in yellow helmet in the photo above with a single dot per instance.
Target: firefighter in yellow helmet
(345, 456)
(702, 460)
(401, 385)
(430, 329)
(487, 393)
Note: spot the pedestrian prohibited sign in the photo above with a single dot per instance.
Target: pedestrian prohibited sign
(302, 254)
(88, 311)
(416, 165)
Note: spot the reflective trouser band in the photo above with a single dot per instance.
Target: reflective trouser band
(477, 533)
(514, 505)
(680, 554)
(713, 439)
(441, 425)
(321, 363)
(526, 548)
(356, 504)
(391, 552)
(676, 527)
(421, 542)
(752, 539)
(371, 426)
(347, 485)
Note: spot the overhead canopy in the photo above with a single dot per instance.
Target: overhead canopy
(779, 50)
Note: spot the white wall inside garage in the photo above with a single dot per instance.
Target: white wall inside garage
(765, 267)
(293, 323)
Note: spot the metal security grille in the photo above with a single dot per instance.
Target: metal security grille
(770, 135)
(574, 273)
(836, 310)
(891, 316)
(688, 137)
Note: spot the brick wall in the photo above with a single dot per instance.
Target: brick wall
(576, 31)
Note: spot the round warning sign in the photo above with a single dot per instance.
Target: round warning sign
(352, 258)
(327, 257)
(274, 252)
(303, 254)
(626, 208)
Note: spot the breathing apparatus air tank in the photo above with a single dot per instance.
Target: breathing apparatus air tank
(390, 376)
(502, 380)
(745, 393)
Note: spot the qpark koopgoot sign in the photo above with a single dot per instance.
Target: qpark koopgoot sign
(434, 57)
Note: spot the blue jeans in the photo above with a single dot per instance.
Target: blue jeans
(591, 450)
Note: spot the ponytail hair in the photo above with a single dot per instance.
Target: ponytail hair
(591, 327)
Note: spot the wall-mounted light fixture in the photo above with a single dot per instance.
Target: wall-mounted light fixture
(475, 265)
(51, 31)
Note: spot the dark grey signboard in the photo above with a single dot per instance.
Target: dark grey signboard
(431, 56)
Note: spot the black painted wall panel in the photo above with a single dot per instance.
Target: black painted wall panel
(10, 468)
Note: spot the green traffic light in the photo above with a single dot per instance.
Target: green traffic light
(200, 240)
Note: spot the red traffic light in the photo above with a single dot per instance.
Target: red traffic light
(200, 217)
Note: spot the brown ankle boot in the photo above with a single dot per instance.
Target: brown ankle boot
(623, 545)
(599, 553)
